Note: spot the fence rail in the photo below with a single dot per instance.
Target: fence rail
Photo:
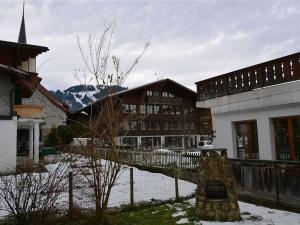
(277, 181)
(181, 160)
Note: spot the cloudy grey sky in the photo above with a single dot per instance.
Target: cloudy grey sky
(190, 40)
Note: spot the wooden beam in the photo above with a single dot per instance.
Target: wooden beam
(291, 138)
(250, 139)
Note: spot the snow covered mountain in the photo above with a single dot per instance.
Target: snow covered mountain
(79, 96)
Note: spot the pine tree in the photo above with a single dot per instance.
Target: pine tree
(53, 139)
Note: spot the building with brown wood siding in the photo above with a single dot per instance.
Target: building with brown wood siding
(168, 117)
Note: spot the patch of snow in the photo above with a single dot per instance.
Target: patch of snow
(258, 215)
(182, 221)
(179, 214)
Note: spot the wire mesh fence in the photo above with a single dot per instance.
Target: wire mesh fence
(133, 186)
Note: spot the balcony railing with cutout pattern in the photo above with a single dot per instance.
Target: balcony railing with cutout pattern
(265, 74)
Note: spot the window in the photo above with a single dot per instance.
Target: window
(133, 125)
(128, 108)
(18, 95)
(165, 94)
(287, 138)
(156, 109)
(172, 109)
(193, 126)
(156, 93)
(173, 142)
(125, 125)
(133, 108)
(177, 109)
(149, 93)
(167, 125)
(168, 94)
(155, 125)
(165, 109)
(150, 109)
(131, 142)
(147, 124)
(247, 140)
(189, 125)
(175, 125)
(143, 125)
(171, 95)
(142, 109)
(188, 110)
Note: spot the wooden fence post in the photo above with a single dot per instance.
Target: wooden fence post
(176, 183)
(70, 194)
(276, 183)
(131, 188)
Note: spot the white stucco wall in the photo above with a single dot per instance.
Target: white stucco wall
(261, 105)
(8, 145)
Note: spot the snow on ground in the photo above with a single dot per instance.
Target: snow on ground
(258, 215)
(182, 221)
(147, 186)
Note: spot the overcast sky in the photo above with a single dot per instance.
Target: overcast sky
(190, 40)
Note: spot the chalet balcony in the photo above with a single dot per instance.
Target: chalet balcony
(164, 100)
(265, 74)
(29, 111)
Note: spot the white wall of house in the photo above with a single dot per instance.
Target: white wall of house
(8, 145)
(6, 87)
(261, 105)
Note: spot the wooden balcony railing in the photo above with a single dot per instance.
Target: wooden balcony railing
(265, 74)
(163, 100)
(29, 111)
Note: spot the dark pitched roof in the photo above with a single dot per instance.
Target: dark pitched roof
(12, 71)
(59, 103)
(22, 32)
(27, 80)
(163, 81)
(22, 46)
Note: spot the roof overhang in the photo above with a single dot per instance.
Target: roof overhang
(22, 51)
(27, 80)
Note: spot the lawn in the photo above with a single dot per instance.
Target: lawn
(183, 213)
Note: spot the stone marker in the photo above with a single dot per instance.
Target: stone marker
(216, 197)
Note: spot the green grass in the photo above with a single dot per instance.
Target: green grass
(145, 214)
(156, 215)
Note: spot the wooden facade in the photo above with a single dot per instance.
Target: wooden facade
(159, 113)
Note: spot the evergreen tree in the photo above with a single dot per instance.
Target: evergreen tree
(53, 139)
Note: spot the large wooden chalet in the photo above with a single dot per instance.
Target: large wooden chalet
(170, 118)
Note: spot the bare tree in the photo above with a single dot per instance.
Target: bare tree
(104, 118)
(30, 197)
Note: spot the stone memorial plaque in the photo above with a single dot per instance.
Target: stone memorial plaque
(216, 191)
